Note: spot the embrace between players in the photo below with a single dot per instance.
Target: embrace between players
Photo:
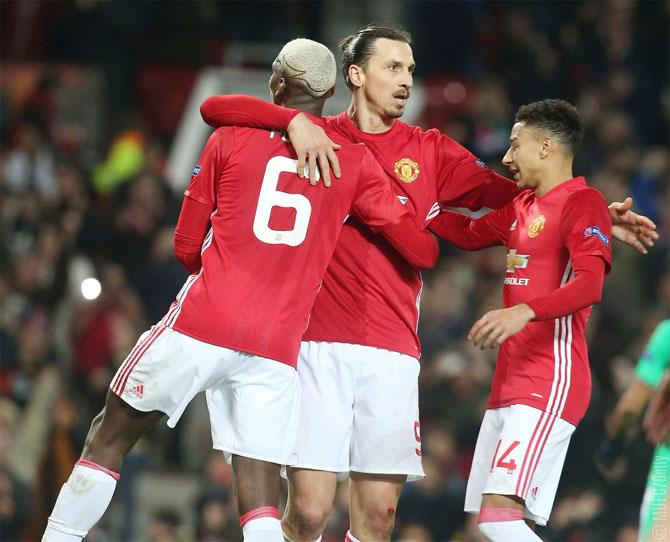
(325, 276)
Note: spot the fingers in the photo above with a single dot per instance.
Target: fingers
(301, 163)
(485, 333)
(331, 155)
(311, 166)
(324, 168)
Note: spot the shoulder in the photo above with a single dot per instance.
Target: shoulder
(585, 197)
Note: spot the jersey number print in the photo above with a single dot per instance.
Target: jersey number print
(270, 197)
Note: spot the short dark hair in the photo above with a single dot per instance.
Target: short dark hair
(359, 47)
(558, 117)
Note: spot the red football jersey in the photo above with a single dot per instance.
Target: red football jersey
(272, 236)
(546, 364)
(370, 294)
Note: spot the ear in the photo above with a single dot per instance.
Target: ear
(547, 147)
(356, 75)
(278, 95)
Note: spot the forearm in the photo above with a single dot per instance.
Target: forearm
(239, 110)
(584, 290)
(462, 231)
(418, 247)
(629, 409)
(192, 227)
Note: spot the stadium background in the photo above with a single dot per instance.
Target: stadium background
(93, 95)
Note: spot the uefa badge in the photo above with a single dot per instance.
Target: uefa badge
(406, 170)
(536, 226)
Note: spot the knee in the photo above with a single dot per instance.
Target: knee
(307, 518)
(380, 520)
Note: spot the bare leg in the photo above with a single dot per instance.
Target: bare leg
(373, 499)
(310, 500)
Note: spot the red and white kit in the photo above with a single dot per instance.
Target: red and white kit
(262, 261)
(370, 294)
(558, 252)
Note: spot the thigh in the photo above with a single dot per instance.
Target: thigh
(326, 406)
(254, 412)
(165, 370)
(487, 442)
(528, 458)
(386, 435)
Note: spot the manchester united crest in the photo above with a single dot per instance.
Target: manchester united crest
(536, 226)
(406, 169)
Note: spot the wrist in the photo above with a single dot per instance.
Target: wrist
(526, 311)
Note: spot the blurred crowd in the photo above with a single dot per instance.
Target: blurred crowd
(83, 195)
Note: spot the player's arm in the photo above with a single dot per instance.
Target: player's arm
(465, 181)
(648, 372)
(418, 247)
(586, 231)
(470, 233)
(657, 419)
(200, 200)
(311, 143)
(377, 206)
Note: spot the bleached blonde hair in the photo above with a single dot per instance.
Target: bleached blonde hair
(308, 63)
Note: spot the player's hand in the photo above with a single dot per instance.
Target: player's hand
(656, 421)
(314, 148)
(496, 326)
(631, 228)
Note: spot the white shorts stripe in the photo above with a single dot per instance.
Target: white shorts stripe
(131, 361)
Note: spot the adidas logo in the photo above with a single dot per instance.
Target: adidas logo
(137, 390)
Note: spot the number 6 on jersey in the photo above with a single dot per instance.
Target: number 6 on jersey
(270, 197)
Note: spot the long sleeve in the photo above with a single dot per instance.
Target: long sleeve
(418, 247)
(583, 290)
(474, 233)
(189, 234)
(200, 199)
(239, 110)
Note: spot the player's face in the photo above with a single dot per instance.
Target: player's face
(388, 77)
(524, 156)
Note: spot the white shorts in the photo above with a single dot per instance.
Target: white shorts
(253, 401)
(359, 410)
(520, 451)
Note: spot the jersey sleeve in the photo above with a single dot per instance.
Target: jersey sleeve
(375, 203)
(586, 226)
(465, 181)
(656, 356)
(469, 233)
(207, 171)
(239, 110)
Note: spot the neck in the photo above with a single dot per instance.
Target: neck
(554, 176)
(305, 103)
(368, 120)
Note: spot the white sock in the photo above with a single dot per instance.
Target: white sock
(350, 537)
(504, 531)
(81, 503)
(263, 529)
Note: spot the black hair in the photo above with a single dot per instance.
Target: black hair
(558, 117)
(359, 47)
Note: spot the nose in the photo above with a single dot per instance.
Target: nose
(407, 80)
(507, 159)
